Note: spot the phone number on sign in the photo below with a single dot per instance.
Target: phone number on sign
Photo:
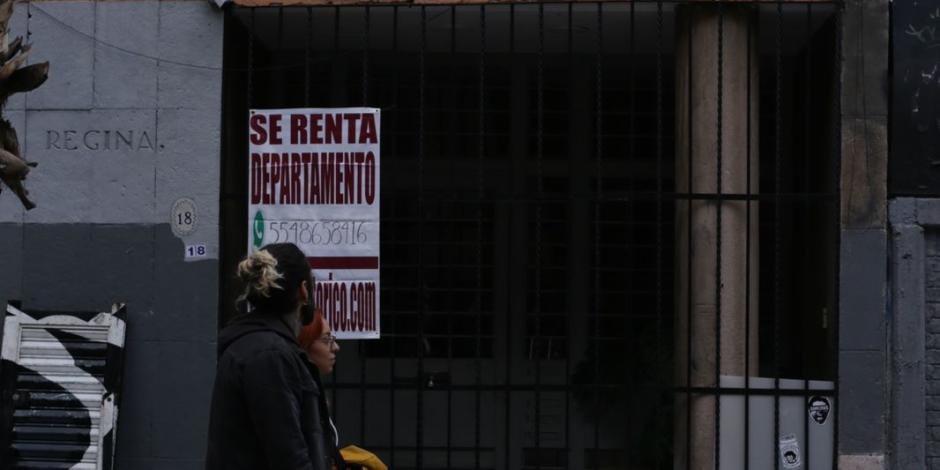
(319, 232)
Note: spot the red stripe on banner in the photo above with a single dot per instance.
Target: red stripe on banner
(344, 262)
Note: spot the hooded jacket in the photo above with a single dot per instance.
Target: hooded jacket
(267, 411)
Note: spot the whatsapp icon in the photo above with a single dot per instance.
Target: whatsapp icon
(257, 229)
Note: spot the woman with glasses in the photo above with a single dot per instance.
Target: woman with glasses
(318, 341)
(321, 347)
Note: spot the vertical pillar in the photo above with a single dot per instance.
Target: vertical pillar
(701, 304)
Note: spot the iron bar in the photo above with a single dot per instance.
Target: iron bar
(336, 367)
(747, 265)
(598, 188)
(568, 339)
(450, 355)
(249, 85)
(778, 61)
(807, 126)
(718, 206)
(538, 234)
(365, 54)
(688, 361)
(393, 318)
(307, 41)
(422, 83)
(479, 226)
(336, 28)
(629, 451)
(659, 154)
(362, 349)
(414, 384)
(507, 451)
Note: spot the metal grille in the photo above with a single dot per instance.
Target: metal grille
(60, 383)
(544, 219)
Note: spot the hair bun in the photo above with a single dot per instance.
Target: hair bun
(259, 273)
(273, 279)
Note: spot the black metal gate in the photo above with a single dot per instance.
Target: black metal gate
(538, 231)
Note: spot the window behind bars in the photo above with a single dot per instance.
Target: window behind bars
(545, 218)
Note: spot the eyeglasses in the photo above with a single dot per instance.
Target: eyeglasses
(328, 340)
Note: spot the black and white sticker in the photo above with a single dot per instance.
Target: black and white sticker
(790, 452)
(819, 409)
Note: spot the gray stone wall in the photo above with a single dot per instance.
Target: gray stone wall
(128, 123)
(914, 337)
(932, 346)
(863, 385)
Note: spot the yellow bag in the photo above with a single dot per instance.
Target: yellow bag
(357, 457)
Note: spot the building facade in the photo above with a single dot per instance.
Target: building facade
(615, 235)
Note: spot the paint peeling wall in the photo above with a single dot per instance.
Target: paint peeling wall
(128, 123)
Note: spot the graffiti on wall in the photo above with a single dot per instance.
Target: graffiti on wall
(60, 379)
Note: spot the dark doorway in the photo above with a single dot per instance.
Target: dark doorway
(528, 218)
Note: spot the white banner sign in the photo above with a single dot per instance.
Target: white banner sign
(313, 178)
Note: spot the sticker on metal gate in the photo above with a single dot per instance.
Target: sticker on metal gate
(819, 409)
(790, 452)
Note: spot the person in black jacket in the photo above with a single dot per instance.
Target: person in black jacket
(268, 411)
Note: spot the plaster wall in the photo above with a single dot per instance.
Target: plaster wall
(128, 123)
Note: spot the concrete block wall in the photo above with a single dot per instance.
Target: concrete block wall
(863, 409)
(914, 420)
(932, 347)
(128, 123)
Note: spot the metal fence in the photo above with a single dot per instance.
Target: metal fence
(609, 229)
